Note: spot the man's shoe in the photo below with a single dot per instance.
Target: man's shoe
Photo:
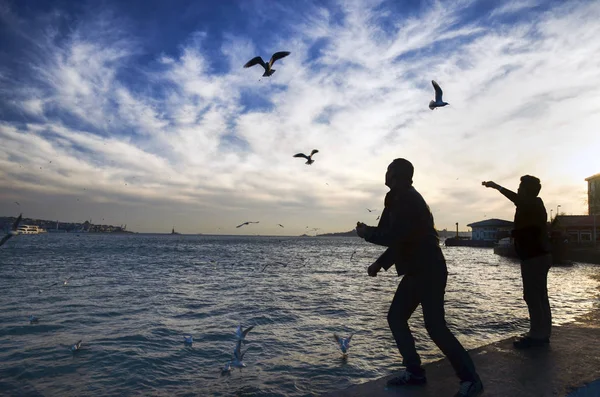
(407, 378)
(526, 342)
(470, 389)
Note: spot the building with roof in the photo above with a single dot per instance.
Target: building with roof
(490, 229)
(593, 194)
(578, 228)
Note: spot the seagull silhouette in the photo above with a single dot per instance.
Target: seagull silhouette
(246, 223)
(378, 217)
(309, 158)
(370, 210)
(277, 263)
(344, 343)
(438, 103)
(280, 224)
(351, 256)
(267, 66)
(13, 230)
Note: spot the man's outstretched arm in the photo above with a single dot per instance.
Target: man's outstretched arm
(509, 194)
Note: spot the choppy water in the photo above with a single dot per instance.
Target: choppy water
(132, 298)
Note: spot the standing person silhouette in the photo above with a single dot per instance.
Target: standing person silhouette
(406, 228)
(532, 244)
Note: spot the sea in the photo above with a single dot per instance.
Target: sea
(131, 298)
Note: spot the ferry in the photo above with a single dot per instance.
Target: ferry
(30, 229)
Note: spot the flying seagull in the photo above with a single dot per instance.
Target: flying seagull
(280, 224)
(277, 263)
(438, 103)
(76, 346)
(240, 334)
(352, 256)
(65, 282)
(188, 339)
(246, 223)
(370, 210)
(13, 230)
(344, 343)
(17, 203)
(378, 218)
(268, 67)
(309, 158)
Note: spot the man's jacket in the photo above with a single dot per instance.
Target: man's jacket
(406, 228)
(530, 229)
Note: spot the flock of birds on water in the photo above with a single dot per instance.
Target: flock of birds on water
(240, 334)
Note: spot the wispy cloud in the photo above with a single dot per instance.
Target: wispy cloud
(187, 130)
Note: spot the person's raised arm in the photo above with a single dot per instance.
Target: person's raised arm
(509, 194)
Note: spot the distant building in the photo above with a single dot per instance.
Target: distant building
(490, 229)
(579, 228)
(593, 194)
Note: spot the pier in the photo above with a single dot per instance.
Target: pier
(568, 367)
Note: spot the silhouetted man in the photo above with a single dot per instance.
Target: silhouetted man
(406, 228)
(532, 244)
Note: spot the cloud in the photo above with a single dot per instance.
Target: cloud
(188, 130)
(514, 7)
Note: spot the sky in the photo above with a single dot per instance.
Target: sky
(141, 113)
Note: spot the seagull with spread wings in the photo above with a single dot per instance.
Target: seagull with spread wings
(280, 224)
(246, 223)
(308, 158)
(438, 103)
(267, 66)
(13, 230)
(344, 343)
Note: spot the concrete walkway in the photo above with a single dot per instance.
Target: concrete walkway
(567, 366)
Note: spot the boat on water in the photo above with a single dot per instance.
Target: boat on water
(467, 242)
(506, 247)
(30, 229)
(174, 232)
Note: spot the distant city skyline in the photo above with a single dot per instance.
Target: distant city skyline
(149, 118)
